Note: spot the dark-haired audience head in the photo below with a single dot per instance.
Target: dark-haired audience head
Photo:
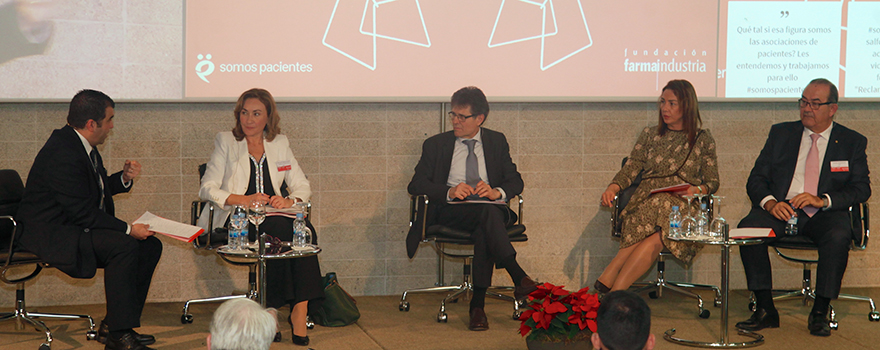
(271, 112)
(623, 323)
(686, 98)
(91, 112)
(469, 110)
(242, 324)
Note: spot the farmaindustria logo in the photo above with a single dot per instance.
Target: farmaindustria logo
(205, 67)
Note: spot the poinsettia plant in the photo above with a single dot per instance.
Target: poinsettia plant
(554, 314)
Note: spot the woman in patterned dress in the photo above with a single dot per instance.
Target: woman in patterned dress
(675, 151)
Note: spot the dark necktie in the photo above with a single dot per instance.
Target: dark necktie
(472, 167)
(94, 156)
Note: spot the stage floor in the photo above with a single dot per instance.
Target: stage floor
(382, 326)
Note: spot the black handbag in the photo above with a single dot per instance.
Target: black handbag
(338, 307)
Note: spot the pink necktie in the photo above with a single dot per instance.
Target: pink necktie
(811, 173)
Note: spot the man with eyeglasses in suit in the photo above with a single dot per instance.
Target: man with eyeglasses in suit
(814, 168)
(471, 162)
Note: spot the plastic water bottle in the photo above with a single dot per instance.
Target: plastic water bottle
(302, 235)
(675, 223)
(703, 220)
(243, 234)
(237, 220)
(791, 225)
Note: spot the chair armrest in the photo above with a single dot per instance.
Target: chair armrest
(8, 263)
(418, 213)
(195, 211)
(615, 216)
(861, 221)
(11, 238)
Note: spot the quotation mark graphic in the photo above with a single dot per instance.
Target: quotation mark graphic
(783, 14)
(205, 67)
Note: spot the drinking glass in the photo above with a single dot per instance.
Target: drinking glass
(716, 228)
(688, 224)
(257, 214)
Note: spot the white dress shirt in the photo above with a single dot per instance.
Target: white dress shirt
(458, 168)
(88, 148)
(797, 181)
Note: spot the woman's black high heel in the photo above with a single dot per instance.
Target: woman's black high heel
(301, 341)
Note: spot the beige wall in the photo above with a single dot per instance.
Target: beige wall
(360, 157)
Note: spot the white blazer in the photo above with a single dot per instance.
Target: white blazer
(228, 172)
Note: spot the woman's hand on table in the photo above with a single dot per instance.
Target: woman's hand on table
(245, 201)
(279, 202)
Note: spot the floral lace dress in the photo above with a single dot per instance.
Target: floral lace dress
(664, 161)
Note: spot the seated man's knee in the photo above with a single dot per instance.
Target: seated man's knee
(838, 239)
(491, 212)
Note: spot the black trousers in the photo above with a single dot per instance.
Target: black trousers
(488, 225)
(831, 232)
(128, 270)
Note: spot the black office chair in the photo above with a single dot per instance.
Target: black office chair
(656, 287)
(860, 221)
(211, 240)
(439, 236)
(11, 191)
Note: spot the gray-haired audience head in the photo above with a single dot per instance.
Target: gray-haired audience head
(242, 324)
(623, 323)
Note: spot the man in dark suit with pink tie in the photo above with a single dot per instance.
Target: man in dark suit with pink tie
(817, 169)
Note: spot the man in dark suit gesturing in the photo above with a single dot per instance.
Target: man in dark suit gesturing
(472, 162)
(68, 220)
(816, 169)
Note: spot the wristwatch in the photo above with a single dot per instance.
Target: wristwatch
(825, 203)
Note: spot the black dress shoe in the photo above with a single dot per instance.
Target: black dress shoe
(760, 319)
(817, 323)
(104, 332)
(128, 341)
(525, 287)
(301, 341)
(479, 322)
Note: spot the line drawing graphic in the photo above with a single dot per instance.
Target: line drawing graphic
(373, 33)
(543, 5)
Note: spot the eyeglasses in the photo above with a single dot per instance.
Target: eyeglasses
(813, 105)
(460, 117)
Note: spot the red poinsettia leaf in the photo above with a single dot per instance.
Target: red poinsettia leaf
(526, 314)
(537, 317)
(555, 307)
(524, 329)
(592, 325)
(591, 314)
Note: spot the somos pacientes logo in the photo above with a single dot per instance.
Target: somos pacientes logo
(205, 67)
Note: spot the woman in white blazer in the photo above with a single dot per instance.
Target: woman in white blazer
(254, 162)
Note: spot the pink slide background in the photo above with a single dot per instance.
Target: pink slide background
(271, 32)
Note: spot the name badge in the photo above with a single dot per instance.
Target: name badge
(283, 165)
(838, 166)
